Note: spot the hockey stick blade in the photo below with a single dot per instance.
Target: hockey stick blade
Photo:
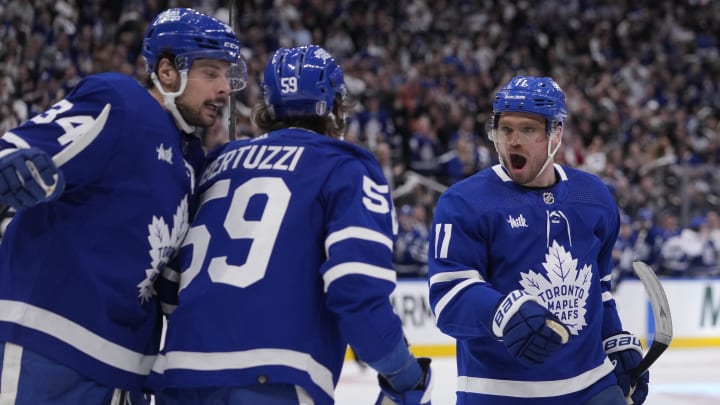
(661, 315)
(82, 142)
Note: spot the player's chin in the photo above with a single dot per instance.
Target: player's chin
(212, 111)
(208, 119)
(212, 120)
(521, 178)
(520, 174)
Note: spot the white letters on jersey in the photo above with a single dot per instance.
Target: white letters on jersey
(262, 232)
(52, 112)
(375, 198)
(74, 126)
(265, 157)
(79, 130)
(565, 289)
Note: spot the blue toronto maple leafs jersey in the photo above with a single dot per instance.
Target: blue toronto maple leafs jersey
(288, 260)
(491, 236)
(76, 274)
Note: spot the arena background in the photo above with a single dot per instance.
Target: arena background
(641, 79)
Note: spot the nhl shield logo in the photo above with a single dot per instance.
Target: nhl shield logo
(548, 197)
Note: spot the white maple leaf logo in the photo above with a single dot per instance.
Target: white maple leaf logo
(564, 289)
(164, 242)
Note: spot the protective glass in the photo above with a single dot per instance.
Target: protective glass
(236, 74)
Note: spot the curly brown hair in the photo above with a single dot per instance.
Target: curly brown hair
(333, 125)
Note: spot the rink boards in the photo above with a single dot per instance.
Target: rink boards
(695, 306)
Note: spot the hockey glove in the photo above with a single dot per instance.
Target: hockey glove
(625, 351)
(28, 177)
(420, 394)
(529, 331)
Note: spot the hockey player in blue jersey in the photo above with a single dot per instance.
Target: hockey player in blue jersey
(102, 182)
(520, 268)
(289, 259)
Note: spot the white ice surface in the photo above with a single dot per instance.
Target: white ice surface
(679, 377)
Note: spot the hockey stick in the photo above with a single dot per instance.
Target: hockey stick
(663, 321)
(232, 17)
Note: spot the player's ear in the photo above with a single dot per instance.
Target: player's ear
(557, 133)
(168, 75)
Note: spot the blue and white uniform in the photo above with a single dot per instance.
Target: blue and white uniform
(288, 260)
(77, 273)
(491, 236)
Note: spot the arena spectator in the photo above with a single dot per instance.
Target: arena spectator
(411, 246)
(623, 252)
(640, 77)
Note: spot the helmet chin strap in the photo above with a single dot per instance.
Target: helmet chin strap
(550, 156)
(169, 101)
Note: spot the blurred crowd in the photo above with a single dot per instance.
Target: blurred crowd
(641, 79)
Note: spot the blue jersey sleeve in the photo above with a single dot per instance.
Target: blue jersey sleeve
(122, 217)
(358, 275)
(458, 267)
(80, 131)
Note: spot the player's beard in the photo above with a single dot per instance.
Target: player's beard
(530, 172)
(193, 116)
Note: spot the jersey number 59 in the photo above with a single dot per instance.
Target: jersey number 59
(263, 232)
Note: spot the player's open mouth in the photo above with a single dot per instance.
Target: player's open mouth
(517, 162)
(215, 108)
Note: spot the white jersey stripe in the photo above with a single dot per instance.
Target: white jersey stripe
(469, 276)
(345, 269)
(10, 377)
(303, 397)
(442, 303)
(533, 389)
(215, 361)
(455, 275)
(75, 335)
(357, 232)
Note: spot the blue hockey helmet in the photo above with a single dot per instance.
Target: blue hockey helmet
(302, 82)
(188, 35)
(533, 95)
